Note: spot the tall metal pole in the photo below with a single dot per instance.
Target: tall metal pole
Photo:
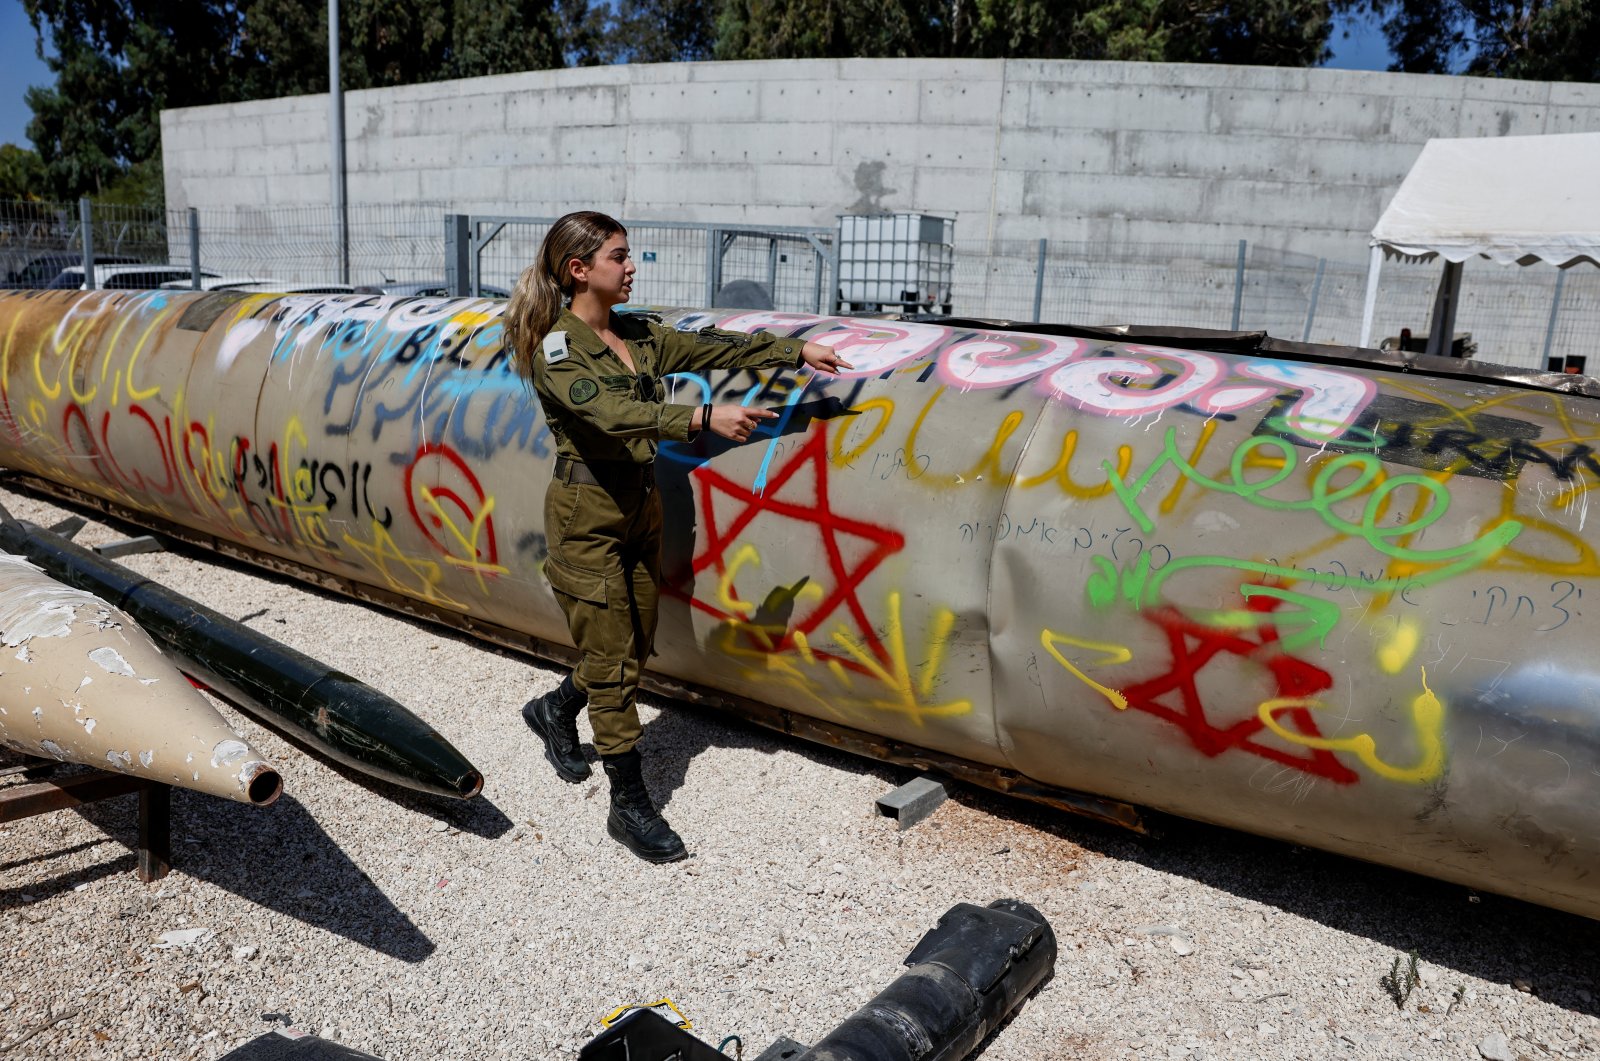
(341, 210)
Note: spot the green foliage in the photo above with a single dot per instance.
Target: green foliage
(1542, 40)
(813, 29)
(119, 63)
(1400, 980)
(1273, 32)
(660, 31)
(21, 173)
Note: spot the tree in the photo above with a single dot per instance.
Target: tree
(21, 173)
(1546, 40)
(1250, 32)
(1271, 32)
(661, 31)
(809, 29)
(119, 63)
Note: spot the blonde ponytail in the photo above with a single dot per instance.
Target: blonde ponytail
(546, 285)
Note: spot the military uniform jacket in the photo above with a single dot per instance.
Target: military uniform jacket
(598, 410)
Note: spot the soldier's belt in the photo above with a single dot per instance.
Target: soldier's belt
(609, 474)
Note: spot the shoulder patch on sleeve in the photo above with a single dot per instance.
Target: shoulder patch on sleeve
(555, 347)
(582, 390)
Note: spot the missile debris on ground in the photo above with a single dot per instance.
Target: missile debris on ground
(963, 978)
(912, 801)
(1321, 594)
(333, 712)
(81, 682)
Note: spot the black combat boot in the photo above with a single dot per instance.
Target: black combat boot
(554, 717)
(633, 821)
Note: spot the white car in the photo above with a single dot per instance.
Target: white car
(125, 277)
(259, 285)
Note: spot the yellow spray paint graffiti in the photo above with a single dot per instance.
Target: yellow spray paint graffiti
(1427, 724)
(897, 686)
(1110, 655)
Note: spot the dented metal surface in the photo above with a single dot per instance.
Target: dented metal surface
(1323, 601)
(80, 682)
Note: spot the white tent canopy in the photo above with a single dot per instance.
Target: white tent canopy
(1513, 199)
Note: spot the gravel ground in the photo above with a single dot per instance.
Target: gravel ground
(508, 926)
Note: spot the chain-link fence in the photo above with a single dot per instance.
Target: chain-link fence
(38, 240)
(1516, 316)
(302, 245)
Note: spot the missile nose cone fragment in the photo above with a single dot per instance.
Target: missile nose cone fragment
(81, 682)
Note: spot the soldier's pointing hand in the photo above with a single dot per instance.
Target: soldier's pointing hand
(824, 359)
(736, 422)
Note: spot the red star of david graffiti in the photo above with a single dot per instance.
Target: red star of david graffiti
(818, 512)
(1174, 696)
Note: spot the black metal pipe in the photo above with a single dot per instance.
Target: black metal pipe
(338, 715)
(964, 977)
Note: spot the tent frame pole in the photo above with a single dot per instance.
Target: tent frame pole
(1374, 267)
(1442, 329)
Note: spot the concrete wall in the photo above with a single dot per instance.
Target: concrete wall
(1300, 160)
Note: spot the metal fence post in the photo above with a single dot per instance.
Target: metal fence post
(713, 259)
(194, 249)
(457, 254)
(86, 238)
(1555, 311)
(1238, 286)
(1316, 291)
(1038, 282)
(724, 241)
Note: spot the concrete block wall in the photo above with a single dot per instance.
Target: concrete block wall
(1298, 160)
(1097, 153)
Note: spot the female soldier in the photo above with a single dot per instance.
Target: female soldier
(598, 377)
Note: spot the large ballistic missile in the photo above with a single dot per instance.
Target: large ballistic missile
(1299, 591)
(80, 682)
(340, 716)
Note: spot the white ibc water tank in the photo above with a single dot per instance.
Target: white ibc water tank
(904, 260)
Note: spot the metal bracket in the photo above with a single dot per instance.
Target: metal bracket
(69, 527)
(144, 543)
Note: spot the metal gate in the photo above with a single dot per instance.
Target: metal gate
(679, 263)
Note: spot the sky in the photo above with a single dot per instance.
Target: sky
(1356, 46)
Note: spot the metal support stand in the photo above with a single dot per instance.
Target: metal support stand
(40, 794)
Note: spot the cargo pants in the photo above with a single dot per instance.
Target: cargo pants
(604, 564)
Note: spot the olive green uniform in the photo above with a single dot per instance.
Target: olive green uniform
(602, 514)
